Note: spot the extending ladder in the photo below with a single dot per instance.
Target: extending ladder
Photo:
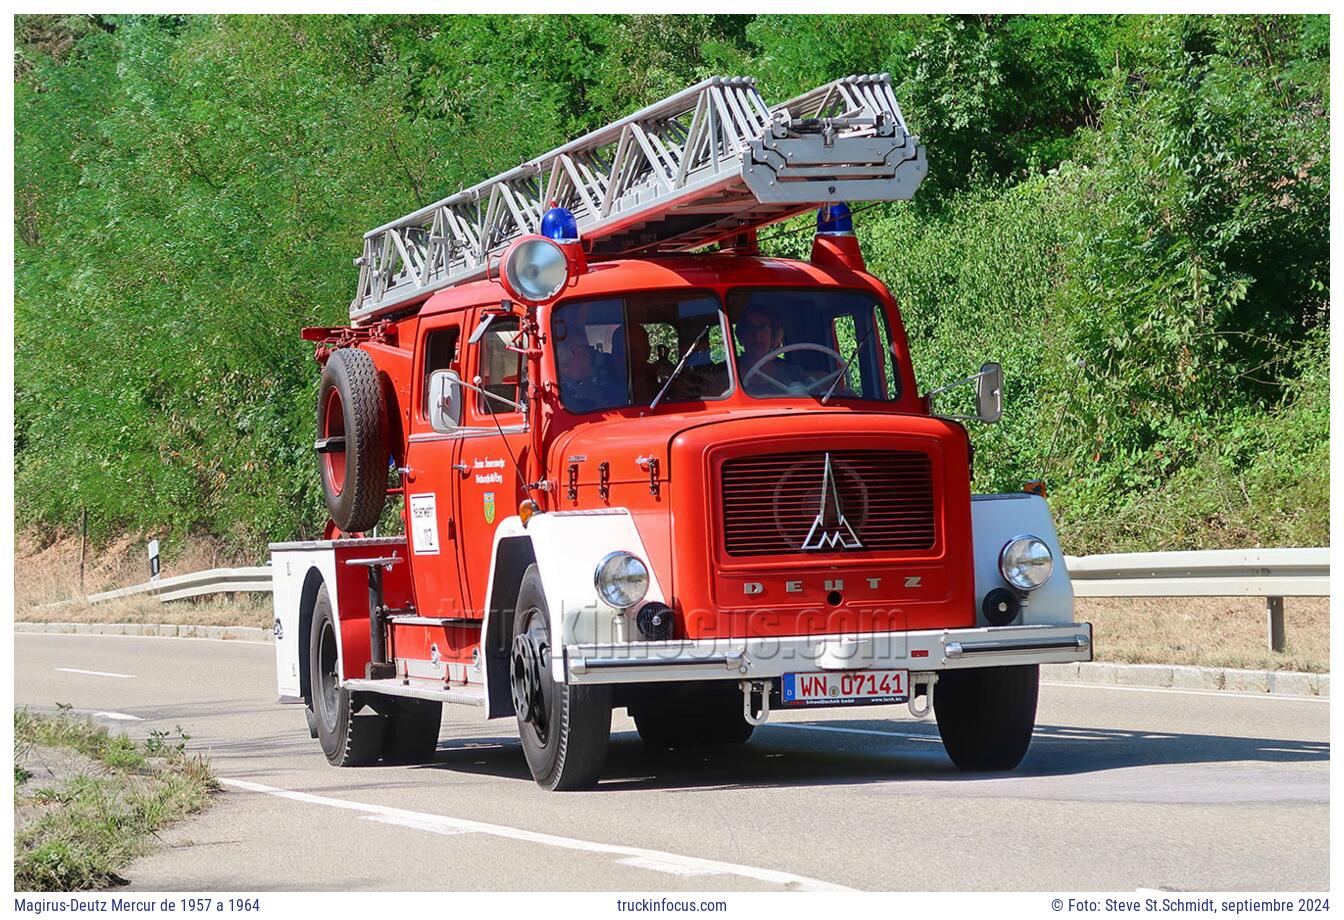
(704, 164)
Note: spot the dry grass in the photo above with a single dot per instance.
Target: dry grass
(1214, 632)
(1222, 632)
(47, 574)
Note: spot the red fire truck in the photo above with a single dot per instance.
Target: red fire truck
(642, 466)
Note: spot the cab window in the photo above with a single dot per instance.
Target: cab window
(624, 351)
(501, 367)
(440, 355)
(792, 342)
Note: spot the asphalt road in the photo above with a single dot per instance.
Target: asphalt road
(1122, 790)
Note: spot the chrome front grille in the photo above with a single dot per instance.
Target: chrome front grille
(869, 501)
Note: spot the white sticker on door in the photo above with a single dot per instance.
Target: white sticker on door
(424, 525)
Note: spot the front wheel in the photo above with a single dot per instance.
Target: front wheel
(692, 717)
(564, 728)
(986, 715)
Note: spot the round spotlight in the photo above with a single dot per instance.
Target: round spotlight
(622, 579)
(1026, 562)
(535, 270)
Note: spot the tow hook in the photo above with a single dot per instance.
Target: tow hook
(926, 681)
(749, 689)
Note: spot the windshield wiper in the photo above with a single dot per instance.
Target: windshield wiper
(845, 370)
(677, 370)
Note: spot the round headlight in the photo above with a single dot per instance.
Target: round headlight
(535, 270)
(622, 579)
(1026, 562)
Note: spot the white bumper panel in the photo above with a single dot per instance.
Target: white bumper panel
(921, 650)
(568, 546)
(996, 519)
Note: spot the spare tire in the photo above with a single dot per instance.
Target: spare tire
(352, 440)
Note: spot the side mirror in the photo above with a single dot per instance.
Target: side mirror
(445, 401)
(989, 393)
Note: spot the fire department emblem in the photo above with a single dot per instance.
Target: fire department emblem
(830, 529)
(489, 507)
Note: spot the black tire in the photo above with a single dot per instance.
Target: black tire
(352, 440)
(986, 716)
(702, 716)
(564, 728)
(412, 731)
(350, 732)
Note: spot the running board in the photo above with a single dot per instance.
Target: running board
(469, 695)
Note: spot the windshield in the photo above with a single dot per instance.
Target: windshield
(810, 342)
(622, 351)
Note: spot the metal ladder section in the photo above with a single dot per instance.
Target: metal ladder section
(704, 164)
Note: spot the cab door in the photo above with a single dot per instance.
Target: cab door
(492, 444)
(433, 533)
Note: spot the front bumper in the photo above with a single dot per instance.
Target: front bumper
(746, 658)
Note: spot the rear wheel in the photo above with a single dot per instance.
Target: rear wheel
(564, 728)
(350, 732)
(986, 716)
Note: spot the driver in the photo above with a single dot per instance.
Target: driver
(760, 334)
(583, 385)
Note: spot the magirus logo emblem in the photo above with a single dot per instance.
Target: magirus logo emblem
(830, 530)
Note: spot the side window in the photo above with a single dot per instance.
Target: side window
(440, 354)
(501, 368)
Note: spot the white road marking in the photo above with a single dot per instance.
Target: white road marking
(119, 716)
(1224, 694)
(657, 865)
(648, 858)
(434, 827)
(94, 673)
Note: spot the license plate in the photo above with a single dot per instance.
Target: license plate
(831, 687)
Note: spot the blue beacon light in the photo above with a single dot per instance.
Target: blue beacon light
(835, 220)
(559, 224)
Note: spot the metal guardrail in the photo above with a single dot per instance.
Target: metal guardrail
(196, 584)
(1269, 573)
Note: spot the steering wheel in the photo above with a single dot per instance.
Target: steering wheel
(756, 369)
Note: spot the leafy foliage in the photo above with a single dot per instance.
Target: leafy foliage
(1131, 213)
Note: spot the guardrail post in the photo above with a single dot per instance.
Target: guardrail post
(1276, 639)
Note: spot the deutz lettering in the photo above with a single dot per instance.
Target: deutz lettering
(798, 586)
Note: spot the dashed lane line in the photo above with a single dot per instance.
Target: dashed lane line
(95, 673)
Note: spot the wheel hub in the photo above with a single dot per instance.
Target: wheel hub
(525, 670)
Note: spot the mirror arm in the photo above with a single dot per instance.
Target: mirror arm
(488, 395)
(953, 386)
